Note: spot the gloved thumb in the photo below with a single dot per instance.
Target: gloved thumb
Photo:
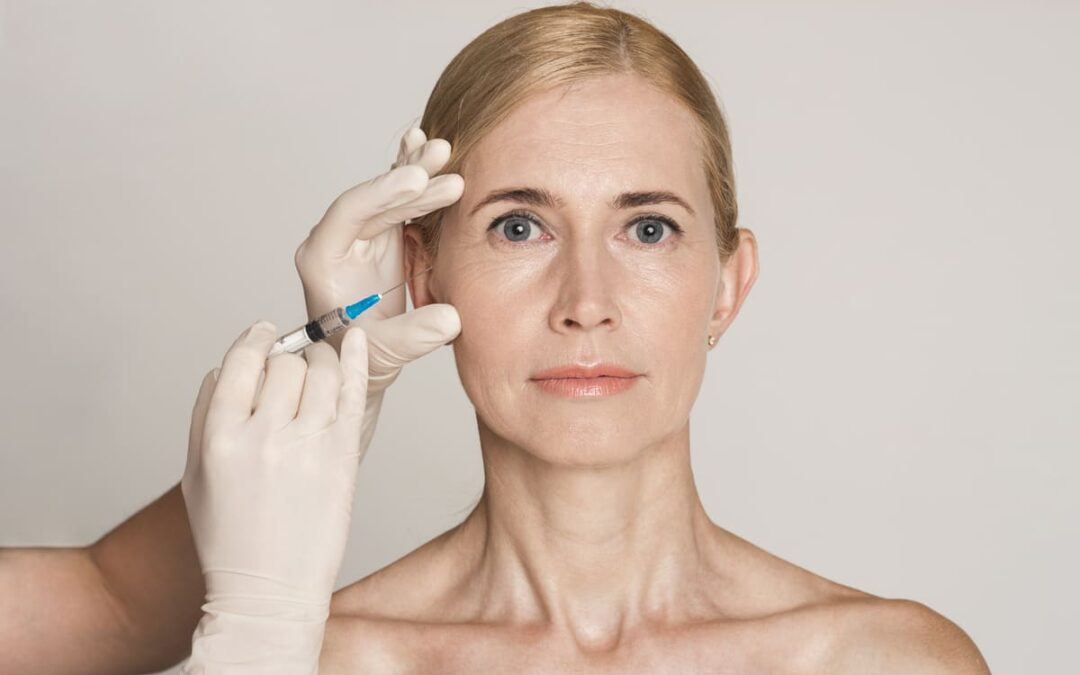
(398, 340)
(354, 373)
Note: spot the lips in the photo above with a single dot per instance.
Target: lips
(574, 381)
(574, 371)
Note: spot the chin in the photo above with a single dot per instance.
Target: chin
(582, 444)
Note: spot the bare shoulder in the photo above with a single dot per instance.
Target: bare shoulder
(821, 626)
(409, 588)
(361, 633)
(886, 636)
(375, 621)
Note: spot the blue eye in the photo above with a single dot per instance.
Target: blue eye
(516, 226)
(650, 229)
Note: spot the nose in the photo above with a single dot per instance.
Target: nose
(587, 285)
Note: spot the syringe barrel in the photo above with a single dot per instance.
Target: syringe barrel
(334, 321)
(292, 342)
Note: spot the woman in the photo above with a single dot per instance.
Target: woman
(594, 260)
(589, 549)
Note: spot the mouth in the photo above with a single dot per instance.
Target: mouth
(577, 381)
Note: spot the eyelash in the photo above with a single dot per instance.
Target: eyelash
(676, 229)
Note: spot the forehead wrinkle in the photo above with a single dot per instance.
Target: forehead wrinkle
(547, 143)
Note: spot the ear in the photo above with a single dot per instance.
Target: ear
(421, 288)
(737, 275)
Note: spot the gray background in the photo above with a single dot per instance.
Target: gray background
(895, 407)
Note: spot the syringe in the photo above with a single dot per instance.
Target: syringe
(334, 321)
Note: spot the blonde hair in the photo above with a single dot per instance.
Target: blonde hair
(552, 46)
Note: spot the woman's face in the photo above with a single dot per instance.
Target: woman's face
(583, 265)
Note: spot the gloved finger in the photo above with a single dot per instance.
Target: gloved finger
(198, 416)
(322, 387)
(354, 375)
(348, 217)
(413, 138)
(442, 191)
(280, 395)
(234, 394)
(399, 340)
(432, 156)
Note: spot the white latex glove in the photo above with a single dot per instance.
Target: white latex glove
(358, 249)
(269, 614)
(269, 486)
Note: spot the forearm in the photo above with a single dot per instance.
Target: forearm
(57, 616)
(126, 604)
(149, 564)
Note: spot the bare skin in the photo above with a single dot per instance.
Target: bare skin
(127, 603)
(797, 623)
(590, 550)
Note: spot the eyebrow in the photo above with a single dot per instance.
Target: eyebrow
(542, 198)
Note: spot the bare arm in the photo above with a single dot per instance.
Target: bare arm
(126, 604)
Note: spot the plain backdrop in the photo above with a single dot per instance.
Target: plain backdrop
(895, 407)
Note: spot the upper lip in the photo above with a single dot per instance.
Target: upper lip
(574, 370)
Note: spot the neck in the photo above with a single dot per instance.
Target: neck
(594, 550)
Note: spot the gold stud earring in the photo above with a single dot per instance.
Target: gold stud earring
(711, 341)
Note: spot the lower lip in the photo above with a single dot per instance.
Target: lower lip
(586, 387)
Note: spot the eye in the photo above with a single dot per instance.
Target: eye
(650, 229)
(516, 226)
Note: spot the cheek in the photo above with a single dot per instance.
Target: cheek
(493, 341)
(487, 331)
(489, 296)
(672, 319)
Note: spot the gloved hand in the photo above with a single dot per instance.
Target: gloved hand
(358, 249)
(271, 549)
(269, 487)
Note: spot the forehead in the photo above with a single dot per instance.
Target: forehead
(590, 139)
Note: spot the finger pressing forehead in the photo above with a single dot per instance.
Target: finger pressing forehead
(410, 141)
(351, 215)
(432, 156)
(441, 192)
